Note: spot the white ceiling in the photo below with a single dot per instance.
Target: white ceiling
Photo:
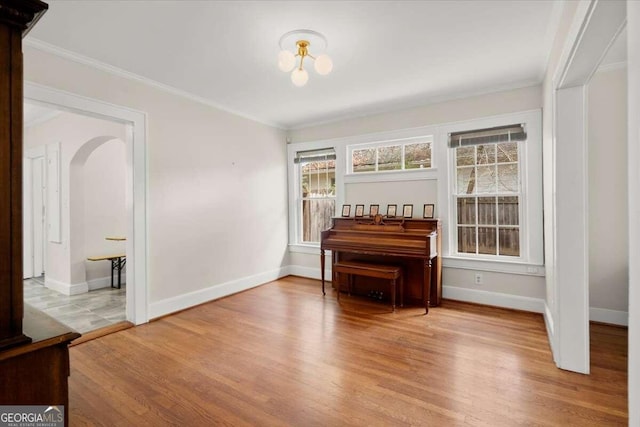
(387, 55)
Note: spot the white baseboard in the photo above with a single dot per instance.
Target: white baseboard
(79, 288)
(181, 302)
(612, 317)
(104, 282)
(66, 288)
(495, 299)
(551, 332)
(309, 272)
(452, 292)
(548, 320)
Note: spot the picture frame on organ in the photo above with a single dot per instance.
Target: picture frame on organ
(391, 211)
(346, 210)
(428, 211)
(373, 210)
(407, 211)
(359, 211)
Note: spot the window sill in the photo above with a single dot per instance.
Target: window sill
(306, 249)
(497, 266)
(390, 176)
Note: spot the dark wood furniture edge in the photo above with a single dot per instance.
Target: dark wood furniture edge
(17, 17)
(44, 331)
(23, 14)
(14, 341)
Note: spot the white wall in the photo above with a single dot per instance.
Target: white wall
(217, 207)
(633, 58)
(104, 206)
(608, 210)
(66, 261)
(458, 283)
(415, 193)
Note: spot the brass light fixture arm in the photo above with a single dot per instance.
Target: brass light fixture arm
(302, 51)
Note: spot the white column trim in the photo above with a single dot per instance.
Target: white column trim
(572, 232)
(595, 26)
(633, 146)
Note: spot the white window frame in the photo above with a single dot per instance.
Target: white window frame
(343, 159)
(295, 196)
(519, 194)
(531, 259)
(299, 200)
(390, 143)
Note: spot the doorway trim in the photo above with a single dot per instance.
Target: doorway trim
(136, 194)
(595, 26)
(28, 234)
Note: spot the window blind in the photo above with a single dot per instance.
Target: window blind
(315, 155)
(510, 133)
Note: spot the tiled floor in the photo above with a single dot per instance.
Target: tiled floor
(83, 312)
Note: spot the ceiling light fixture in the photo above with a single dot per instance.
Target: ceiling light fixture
(299, 41)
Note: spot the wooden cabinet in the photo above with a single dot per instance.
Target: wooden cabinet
(16, 18)
(36, 373)
(34, 354)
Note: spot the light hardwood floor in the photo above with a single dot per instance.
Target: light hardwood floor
(282, 354)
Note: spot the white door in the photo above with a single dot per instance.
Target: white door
(34, 213)
(38, 214)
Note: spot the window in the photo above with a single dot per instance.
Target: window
(317, 192)
(488, 191)
(392, 156)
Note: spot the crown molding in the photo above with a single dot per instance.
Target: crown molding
(391, 106)
(81, 59)
(551, 32)
(612, 67)
(399, 106)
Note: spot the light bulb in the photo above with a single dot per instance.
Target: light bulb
(299, 77)
(323, 65)
(286, 60)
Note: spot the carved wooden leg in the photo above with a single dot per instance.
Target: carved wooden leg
(426, 292)
(433, 300)
(393, 295)
(401, 291)
(334, 259)
(322, 269)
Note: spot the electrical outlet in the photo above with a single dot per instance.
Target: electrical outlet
(479, 280)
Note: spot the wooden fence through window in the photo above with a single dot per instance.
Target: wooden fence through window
(316, 217)
(497, 222)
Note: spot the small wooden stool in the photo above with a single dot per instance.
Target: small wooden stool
(381, 271)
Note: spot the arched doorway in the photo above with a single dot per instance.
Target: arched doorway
(97, 207)
(136, 198)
